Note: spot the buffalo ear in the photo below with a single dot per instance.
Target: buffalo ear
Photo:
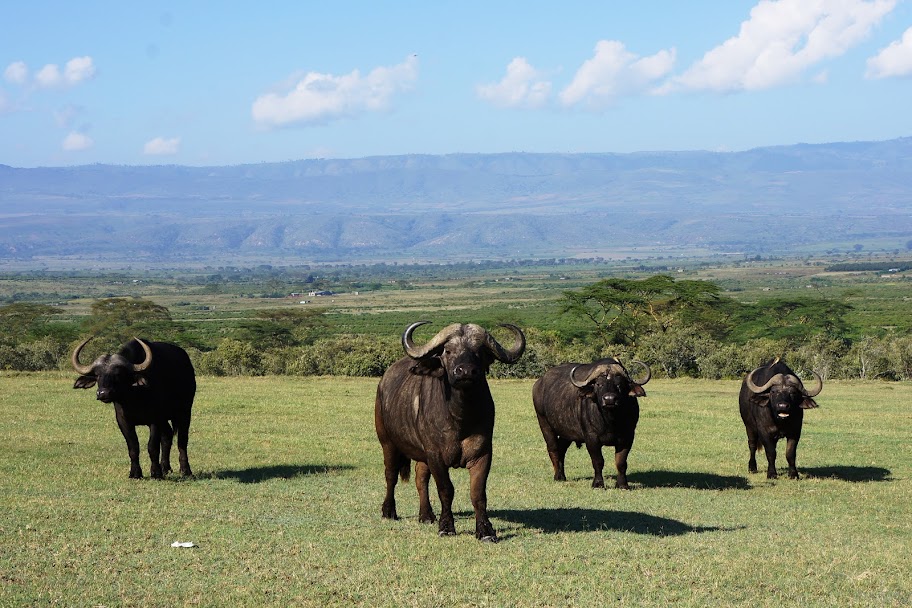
(808, 404)
(84, 382)
(140, 381)
(636, 391)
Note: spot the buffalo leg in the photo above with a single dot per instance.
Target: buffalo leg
(752, 450)
(441, 473)
(478, 481)
(129, 433)
(422, 479)
(598, 464)
(154, 448)
(620, 461)
(167, 436)
(770, 448)
(392, 461)
(791, 450)
(182, 430)
(557, 448)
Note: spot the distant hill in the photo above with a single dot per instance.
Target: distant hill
(463, 206)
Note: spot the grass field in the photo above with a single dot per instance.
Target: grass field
(285, 506)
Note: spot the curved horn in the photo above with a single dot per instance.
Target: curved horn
(595, 373)
(513, 354)
(648, 374)
(81, 369)
(817, 389)
(419, 352)
(573, 379)
(141, 367)
(759, 389)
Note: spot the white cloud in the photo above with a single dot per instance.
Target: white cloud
(781, 40)
(75, 142)
(76, 70)
(319, 98)
(614, 71)
(894, 60)
(16, 72)
(79, 69)
(162, 147)
(522, 86)
(49, 76)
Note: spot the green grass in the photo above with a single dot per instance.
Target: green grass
(285, 508)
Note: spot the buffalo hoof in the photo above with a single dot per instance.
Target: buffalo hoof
(599, 484)
(794, 475)
(186, 472)
(135, 474)
(622, 486)
(489, 539)
(446, 528)
(427, 519)
(388, 510)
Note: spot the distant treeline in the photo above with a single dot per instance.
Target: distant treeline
(679, 327)
(870, 267)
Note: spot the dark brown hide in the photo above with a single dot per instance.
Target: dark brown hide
(149, 384)
(772, 403)
(593, 403)
(435, 407)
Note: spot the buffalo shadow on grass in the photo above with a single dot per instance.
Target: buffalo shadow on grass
(847, 473)
(688, 479)
(278, 471)
(576, 519)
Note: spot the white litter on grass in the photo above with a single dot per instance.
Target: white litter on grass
(183, 545)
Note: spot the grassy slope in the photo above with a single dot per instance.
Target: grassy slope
(285, 506)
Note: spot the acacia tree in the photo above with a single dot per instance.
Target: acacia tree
(25, 322)
(280, 327)
(116, 320)
(623, 310)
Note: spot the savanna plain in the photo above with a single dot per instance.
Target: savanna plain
(284, 509)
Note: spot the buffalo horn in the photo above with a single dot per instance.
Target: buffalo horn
(644, 380)
(777, 379)
(597, 370)
(83, 370)
(141, 367)
(817, 389)
(512, 355)
(419, 352)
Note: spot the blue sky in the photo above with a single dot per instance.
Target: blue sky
(216, 83)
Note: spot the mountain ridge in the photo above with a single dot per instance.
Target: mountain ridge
(464, 206)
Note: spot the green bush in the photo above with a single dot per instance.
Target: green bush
(232, 358)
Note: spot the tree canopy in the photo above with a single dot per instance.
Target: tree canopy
(623, 310)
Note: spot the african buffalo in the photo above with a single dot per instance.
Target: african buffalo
(595, 404)
(772, 403)
(434, 407)
(149, 383)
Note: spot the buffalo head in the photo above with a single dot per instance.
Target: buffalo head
(114, 374)
(784, 391)
(463, 351)
(608, 382)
